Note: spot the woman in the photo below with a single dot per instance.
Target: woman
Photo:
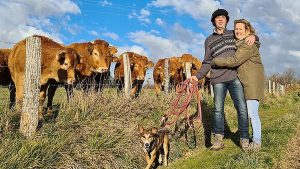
(250, 72)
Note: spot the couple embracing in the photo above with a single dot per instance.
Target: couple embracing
(235, 63)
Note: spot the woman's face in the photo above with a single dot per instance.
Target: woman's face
(240, 31)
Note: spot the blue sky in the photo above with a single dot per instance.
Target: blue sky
(155, 28)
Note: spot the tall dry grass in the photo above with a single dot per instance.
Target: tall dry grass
(92, 130)
(99, 130)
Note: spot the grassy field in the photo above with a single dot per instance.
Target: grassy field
(280, 123)
(100, 131)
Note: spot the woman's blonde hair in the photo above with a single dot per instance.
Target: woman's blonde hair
(248, 25)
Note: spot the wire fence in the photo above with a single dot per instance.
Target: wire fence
(106, 80)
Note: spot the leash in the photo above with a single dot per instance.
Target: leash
(188, 89)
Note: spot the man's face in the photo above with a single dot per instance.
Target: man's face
(221, 21)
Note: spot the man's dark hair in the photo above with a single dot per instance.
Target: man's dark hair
(219, 12)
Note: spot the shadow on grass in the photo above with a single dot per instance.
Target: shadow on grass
(207, 120)
(50, 114)
(182, 128)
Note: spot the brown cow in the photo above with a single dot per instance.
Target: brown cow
(196, 66)
(138, 65)
(101, 78)
(57, 62)
(95, 58)
(175, 73)
(5, 77)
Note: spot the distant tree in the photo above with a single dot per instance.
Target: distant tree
(288, 77)
(274, 77)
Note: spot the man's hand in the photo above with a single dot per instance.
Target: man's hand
(194, 79)
(250, 40)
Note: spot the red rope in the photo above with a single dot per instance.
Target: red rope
(189, 89)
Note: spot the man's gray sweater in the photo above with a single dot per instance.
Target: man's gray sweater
(218, 45)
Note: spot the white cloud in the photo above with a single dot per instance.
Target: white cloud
(159, 22)
(94, 33)
(180, 41)
(143, 16)
(20, 19)
(158, 47)
(196, 8)
(276, 22)
(294, 53)
(134, 48)
(111, 35)
(105, 3)
(154, 32)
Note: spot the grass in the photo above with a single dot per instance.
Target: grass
(97, 130)
(279, 124)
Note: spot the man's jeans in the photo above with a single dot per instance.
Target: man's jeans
(252, 106)
(236, 92)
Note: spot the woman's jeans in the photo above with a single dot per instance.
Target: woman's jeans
(252, 106)
(236, 92)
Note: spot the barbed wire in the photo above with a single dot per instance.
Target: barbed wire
(7, 42)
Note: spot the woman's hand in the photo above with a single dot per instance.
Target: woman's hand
(250, 40)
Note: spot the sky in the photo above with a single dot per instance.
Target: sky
(155, 28)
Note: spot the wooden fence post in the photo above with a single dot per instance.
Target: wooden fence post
(167, 77)
(282, 89)
(274, 88)
(30, 108)
(127, 75)
(188, 66)
(269, 87)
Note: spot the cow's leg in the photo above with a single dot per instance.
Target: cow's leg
(100, 81)
(70, 91)
(19, 91)
(119, 85)
(157, 88)
(51, 92)
(12, 95)
(140, 86)
(133, 92)
(42, 100)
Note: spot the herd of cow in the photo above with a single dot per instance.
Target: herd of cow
(85, 64)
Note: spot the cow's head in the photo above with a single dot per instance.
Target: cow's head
(175, 67)
(159, 69)
(139, 65)
(195, 63)
(101, 56)
(68, 58)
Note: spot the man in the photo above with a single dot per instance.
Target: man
(221, 43)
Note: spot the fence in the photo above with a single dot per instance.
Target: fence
(275, 88)
(29, 117)
(271, 87)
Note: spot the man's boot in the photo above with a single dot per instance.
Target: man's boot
(218, 142)
(244, 144)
